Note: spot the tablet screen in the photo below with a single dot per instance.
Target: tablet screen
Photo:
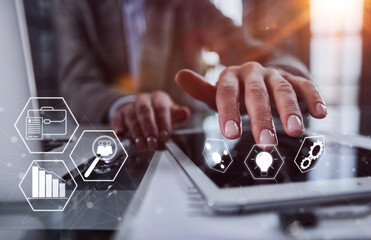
(337, 161)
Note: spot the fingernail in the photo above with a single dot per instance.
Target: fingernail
(294, 124)
(139, 143)
(267, 137)
(151, 142)
(231, 129)
(164, 135)
(321, 109)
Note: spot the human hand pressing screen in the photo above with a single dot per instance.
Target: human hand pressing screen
(255, 87)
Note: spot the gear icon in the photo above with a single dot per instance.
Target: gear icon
(305, 163)
(315, 150)
(310, 153)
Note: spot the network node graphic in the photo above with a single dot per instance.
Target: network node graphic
(48, 185)
(310, 153)
(98, 155)
(263, 164)
(217, 155)
(45, 124)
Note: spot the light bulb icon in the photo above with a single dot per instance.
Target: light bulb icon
(263, 164)
(264, 160)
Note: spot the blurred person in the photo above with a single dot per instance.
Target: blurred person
(119, 59)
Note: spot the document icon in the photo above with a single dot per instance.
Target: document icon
(45, 121)
(34, 128)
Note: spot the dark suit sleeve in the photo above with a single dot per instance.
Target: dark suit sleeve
(82, 79)
(218, 33)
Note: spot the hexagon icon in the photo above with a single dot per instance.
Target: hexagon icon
(217, 155)
(98, 155)
(264, 164)
(48, 185)
(310, 153)
(46, 125)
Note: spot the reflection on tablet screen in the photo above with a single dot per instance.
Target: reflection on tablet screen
(339, 160)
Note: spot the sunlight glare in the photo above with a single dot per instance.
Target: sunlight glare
(336, 16)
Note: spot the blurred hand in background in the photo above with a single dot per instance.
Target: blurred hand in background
(149, 119)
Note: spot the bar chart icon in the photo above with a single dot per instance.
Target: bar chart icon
(48, 185)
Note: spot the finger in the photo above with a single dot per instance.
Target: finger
(258, 106)
(161, 105)
(197, 87)
(132, 125)
(308, 91)
(286, 103)
(179, 115)
(117, 123)
(227, 102)
(146, 117)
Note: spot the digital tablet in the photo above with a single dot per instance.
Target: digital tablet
(341, 174)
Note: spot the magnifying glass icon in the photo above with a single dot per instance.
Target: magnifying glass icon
(104, 148)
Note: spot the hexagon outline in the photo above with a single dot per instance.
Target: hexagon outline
(226, 147)
(47, 210)
(50, 152)
(265, 178)
(105, 180)
(301, 146)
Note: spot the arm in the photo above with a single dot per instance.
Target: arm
(218, 33)
(82, 80)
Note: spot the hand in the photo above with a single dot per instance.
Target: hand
(255, 86)
(151, 117)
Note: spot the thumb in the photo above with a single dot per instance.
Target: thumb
(196, 86)
(179, 115)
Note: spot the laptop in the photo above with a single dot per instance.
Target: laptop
(17, 86)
